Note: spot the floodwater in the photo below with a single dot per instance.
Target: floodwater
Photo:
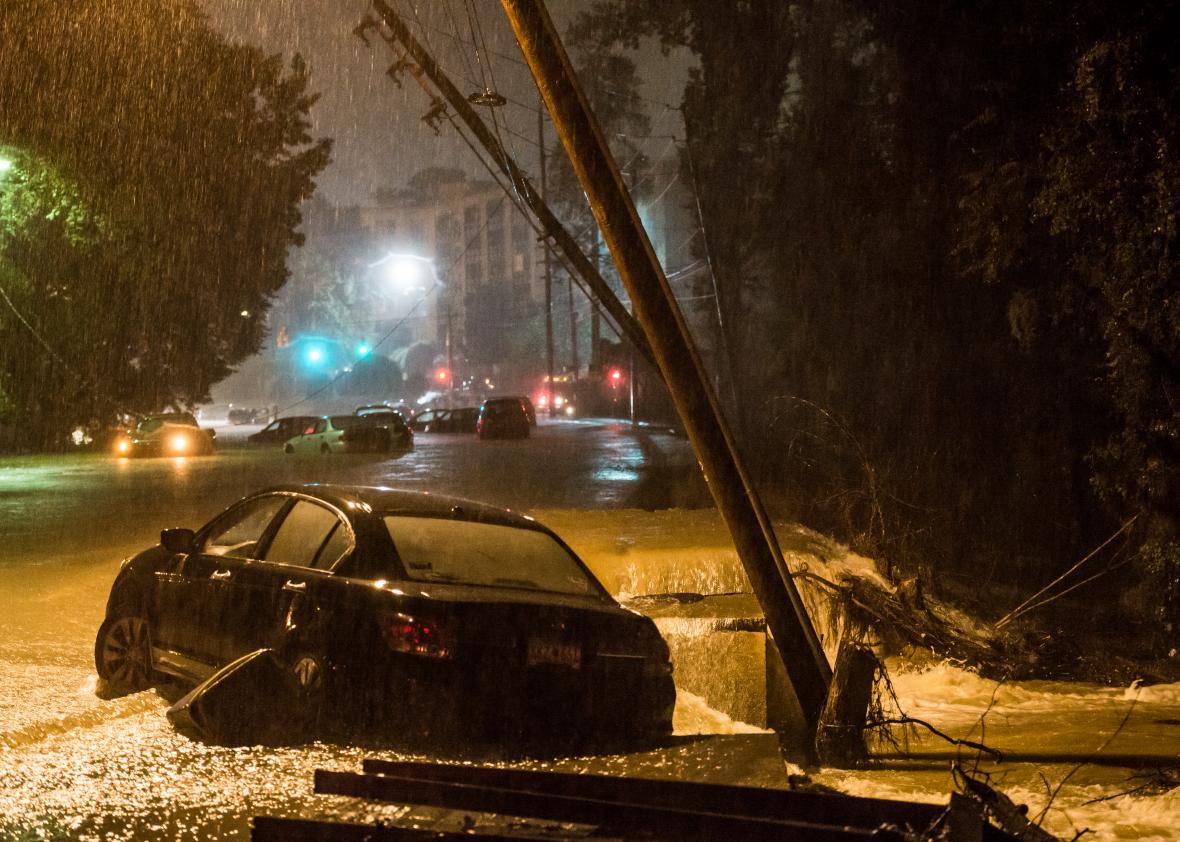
(73, 766)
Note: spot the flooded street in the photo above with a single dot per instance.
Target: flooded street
(73, 766)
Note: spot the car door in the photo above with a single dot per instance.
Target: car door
(193, 596)
(272, 432)
(425, 422)
(279, 592)
(309, 442)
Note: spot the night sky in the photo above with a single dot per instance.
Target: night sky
(379, 140)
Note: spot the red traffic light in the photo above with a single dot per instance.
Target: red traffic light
(442, 375)
(615, 376)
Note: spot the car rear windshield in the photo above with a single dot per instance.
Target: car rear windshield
(383, 419)
(347, 422)
(492, 555)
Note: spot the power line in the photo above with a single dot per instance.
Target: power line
(40, 339)
(517, 60)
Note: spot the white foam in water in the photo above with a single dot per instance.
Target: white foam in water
(694, 716)
(637, 552)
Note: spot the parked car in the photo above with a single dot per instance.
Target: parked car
(241, 415)
(341, 434)
(401, 407)
(530, 411)
(462, 420)
(167, 434)
(387, 611)
(502, 418)
(281, 429)
(400, 434)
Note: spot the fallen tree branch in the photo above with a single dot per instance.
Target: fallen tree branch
(1011, 818)
(910, 720)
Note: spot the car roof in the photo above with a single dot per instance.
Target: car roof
(171, 418)
(382, 499)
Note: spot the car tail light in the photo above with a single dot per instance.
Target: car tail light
(427, 638)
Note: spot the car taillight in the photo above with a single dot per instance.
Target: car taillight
(424, 637)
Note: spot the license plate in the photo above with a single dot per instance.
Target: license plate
(543, 651)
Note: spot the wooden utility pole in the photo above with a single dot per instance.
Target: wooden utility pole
(663, 324)
(548, 274)
(554, 229)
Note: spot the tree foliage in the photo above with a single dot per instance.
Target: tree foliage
(151, 206)
(944, 238)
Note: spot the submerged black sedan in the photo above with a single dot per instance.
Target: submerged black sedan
(393, 612)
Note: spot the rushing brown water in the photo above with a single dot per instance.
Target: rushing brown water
(74, 766)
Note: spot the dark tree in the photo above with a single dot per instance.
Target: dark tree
(146, 220)
(943, 237)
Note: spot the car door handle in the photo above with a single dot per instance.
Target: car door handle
(221, 575)
(297, 587)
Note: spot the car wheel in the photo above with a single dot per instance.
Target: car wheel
(288, 448)
(123, 655)
(324, 448)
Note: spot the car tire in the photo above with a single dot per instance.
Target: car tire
(123, 654)
(288, 448)
(324, 449)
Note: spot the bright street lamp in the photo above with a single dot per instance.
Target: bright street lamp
(407, 273)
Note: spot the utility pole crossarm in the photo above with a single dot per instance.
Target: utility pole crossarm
(548, 221)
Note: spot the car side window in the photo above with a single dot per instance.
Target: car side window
(339, 542)
(304, 531)
(238, 532)
(273, 426)
(320, 426)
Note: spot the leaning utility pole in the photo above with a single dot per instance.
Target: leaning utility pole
(548, 274)
(664, 326)
(524, 189)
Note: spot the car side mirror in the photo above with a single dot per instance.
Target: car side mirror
(178, 540)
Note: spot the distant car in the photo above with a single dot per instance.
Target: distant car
(240, 415)
(342, 434)
(530, 411)
(462, 420)
(401, 408)
(392, 612)
(168, 434)
(400, 434)
(502, 418)
(281, 429)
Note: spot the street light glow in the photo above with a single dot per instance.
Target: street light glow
(315, 355)
(5, 165)
(406, 274)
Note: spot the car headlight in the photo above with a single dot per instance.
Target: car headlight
(178, 443)
(122, 446)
